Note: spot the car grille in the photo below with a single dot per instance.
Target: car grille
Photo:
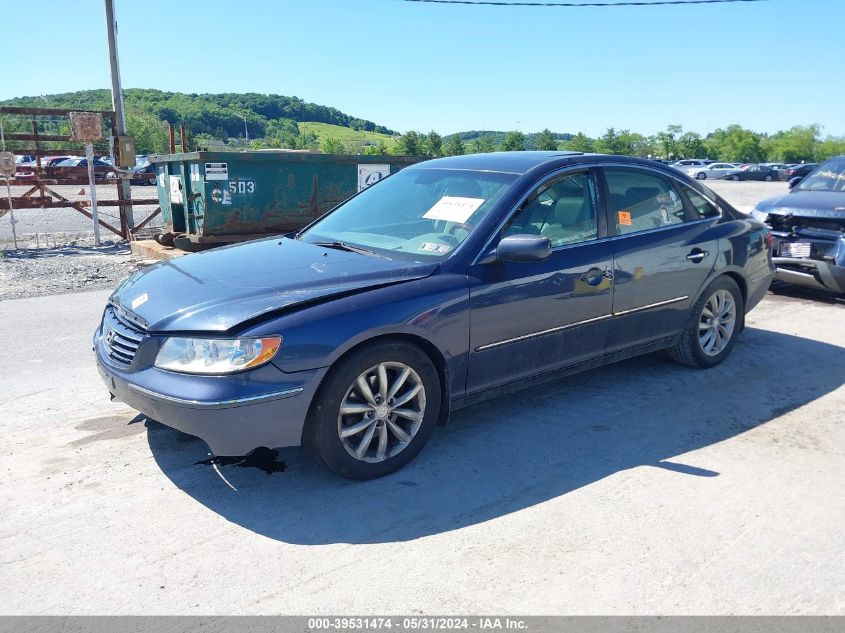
(120, 337)
(813, 227)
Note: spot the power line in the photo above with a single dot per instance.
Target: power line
(494, 3)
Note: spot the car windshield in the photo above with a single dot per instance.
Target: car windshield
(422, 213)
(828, 177)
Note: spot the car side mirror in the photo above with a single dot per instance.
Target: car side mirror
(524, 248)
(793, 182)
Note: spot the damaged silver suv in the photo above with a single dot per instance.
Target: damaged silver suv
(808, 227)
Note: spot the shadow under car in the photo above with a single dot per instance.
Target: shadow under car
(516, 451)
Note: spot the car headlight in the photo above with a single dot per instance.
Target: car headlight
(216, 356)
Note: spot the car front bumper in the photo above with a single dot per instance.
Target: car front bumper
(233, 414)
(810, 273)
(822, 269)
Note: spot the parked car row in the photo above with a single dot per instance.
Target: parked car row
(76, 166)
(63, 167)
(701, 169)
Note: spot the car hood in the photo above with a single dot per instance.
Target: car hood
(217, 290)
(809, 204)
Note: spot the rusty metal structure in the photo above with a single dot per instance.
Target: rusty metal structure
(40, 178)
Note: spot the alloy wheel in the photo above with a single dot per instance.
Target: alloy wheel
(717, 323)
(381, 412)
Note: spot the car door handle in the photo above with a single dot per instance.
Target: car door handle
(697, 255)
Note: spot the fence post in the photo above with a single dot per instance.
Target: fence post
(89, 154)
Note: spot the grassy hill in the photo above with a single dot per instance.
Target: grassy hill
(345, 135)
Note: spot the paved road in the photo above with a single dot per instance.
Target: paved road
(642, 488)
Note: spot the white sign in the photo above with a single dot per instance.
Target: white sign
(217, 171)
(195, 173)
(175, 190)
(371, 174)
(453, 209)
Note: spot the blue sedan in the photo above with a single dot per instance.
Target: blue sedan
(450, 282)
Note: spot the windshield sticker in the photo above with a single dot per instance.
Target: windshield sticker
(624, 218)
(453, 209)
(828, 173)
(431, 247)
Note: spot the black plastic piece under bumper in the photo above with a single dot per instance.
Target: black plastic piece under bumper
(810, 273)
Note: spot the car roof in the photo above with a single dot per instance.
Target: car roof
(522, 162)
(507, 162)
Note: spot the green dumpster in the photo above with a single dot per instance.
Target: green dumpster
(221, 197)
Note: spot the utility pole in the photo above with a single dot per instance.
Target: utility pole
(246, 130)
(124, 186)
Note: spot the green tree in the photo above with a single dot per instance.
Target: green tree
(793, 145)
(609, 143)
(635, 144)
(377, 150)
(151, 135)
(454, 146)
(410, 144)
(308, 140)
(546, 140)
(485, 144)
(201, 140)
(514, 142)
(332, 146)
(736, 144)
(580, 143)
(692, 146)
(433, 144)
(830, 147)
(667, 141)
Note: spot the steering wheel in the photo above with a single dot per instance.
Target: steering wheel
(451, 227)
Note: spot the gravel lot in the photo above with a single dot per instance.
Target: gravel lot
(68, 264)
(56, 251)
(744, 195)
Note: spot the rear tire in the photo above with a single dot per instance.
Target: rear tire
(390, 440)
(709, 334)
(769, 179)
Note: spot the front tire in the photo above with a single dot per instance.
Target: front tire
(701, 176)
(769, 179)
(375, 411)
(735, 178)
(713, 325)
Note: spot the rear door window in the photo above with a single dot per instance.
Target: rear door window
(702, 208)
(641, 201)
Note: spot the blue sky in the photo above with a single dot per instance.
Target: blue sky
(451, 68)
